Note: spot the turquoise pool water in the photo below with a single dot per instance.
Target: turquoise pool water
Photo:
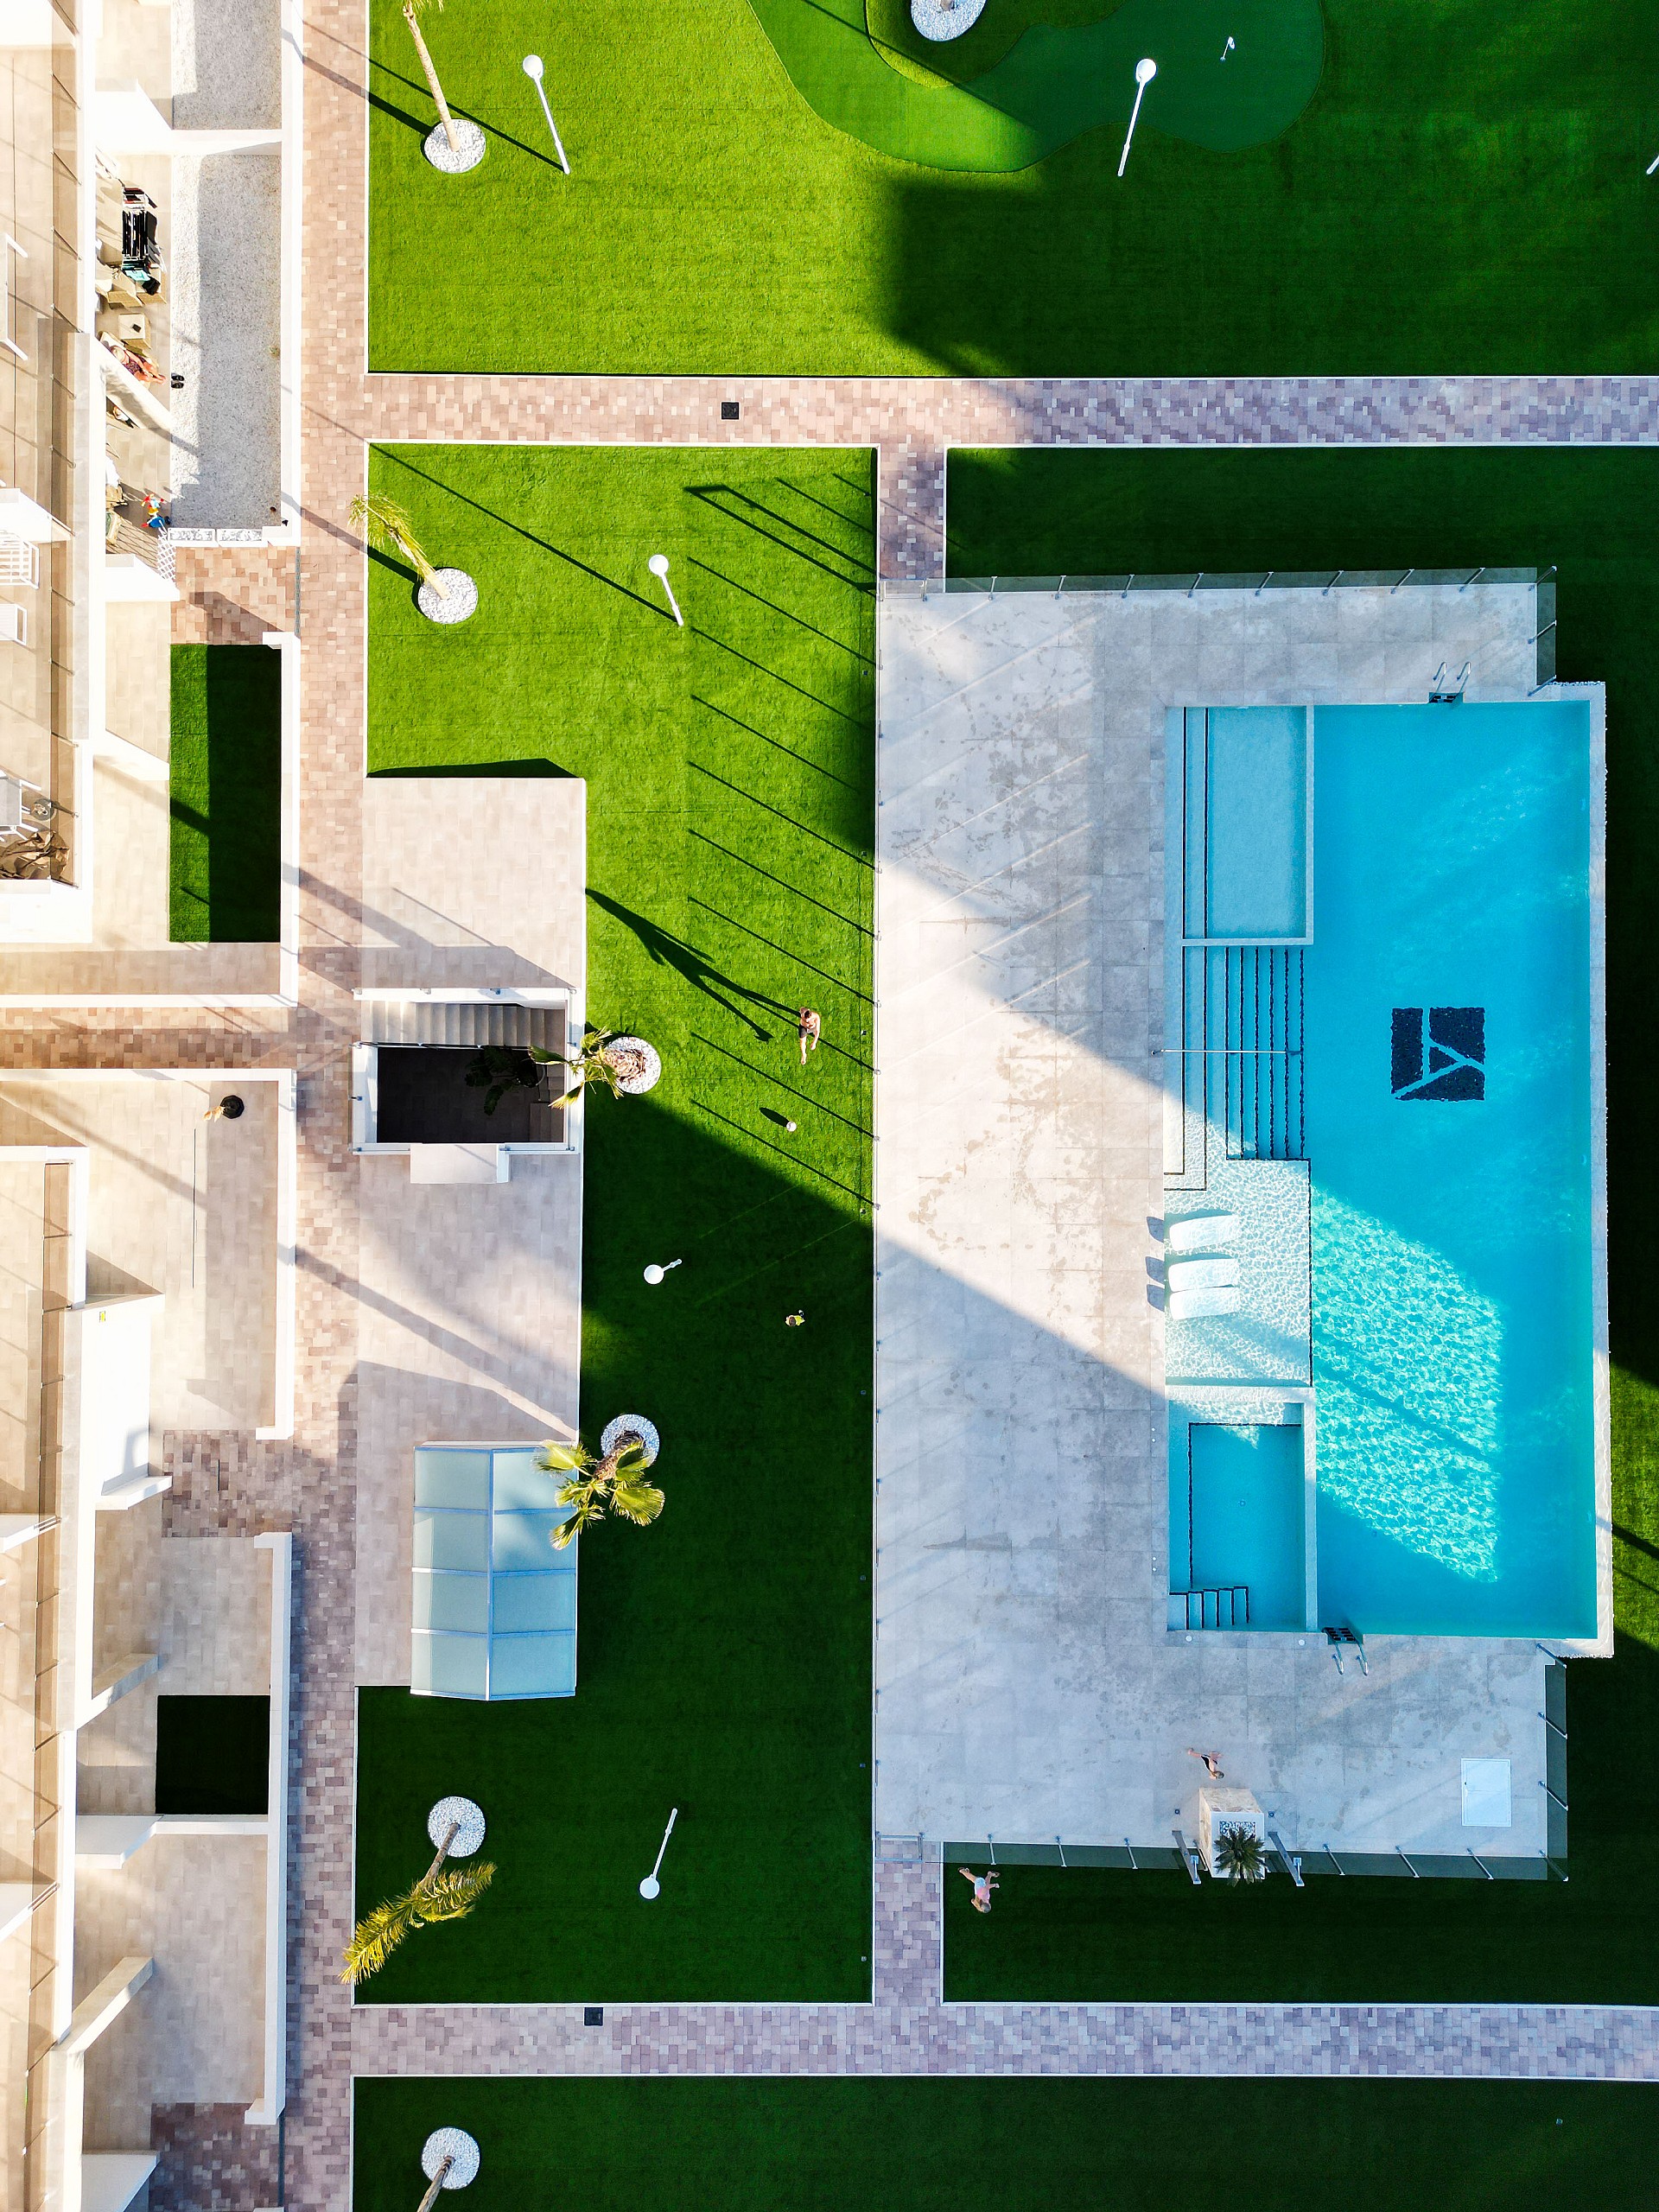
(1245, 1509)
(1447, 1090)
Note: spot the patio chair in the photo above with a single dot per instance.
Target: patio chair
(1210, 1271)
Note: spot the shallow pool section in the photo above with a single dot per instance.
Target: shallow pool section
(1245, 1516)
(1448, 1108)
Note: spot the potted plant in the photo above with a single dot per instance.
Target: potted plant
(1240, 1855)
(451, 146)
(442, 595)
(626, 1065)
(456, 1825)
(613, 1482)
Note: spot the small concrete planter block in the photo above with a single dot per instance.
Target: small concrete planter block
(943, 19)
(631, 1424)
(451, 160)
(455, 603)
(640, 1064)
(459, 2147)
(1226, 1808)
(469, 1831)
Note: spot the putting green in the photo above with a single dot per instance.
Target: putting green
(1057, 83)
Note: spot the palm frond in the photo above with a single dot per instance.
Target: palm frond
(636, 1501)
(1241, 1854)
(388, 526)
(376, 1935)
(451, 1895)
(559, 1458)
(420, 7)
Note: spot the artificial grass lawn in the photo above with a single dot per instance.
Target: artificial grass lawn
(226, 768)
(1594, 515)
(723, 1653)
(1465, 192)
(683, 2146)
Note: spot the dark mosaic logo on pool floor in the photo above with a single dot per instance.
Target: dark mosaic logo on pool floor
(1439, 1052)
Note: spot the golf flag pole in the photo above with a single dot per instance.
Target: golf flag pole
(1144, 73)
(651, 1887)
(533, 71)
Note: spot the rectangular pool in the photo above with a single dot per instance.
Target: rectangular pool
(1428, 1053)
(1448, 1113)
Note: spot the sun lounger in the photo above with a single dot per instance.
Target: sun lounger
(1200, 1232)
(1211, 1271)
(1197, 1304)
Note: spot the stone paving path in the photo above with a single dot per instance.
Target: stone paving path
(309, 1485)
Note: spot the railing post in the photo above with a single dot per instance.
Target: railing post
(1475, 579)
(1129, 585)
(1406, 579)
(1265, 581)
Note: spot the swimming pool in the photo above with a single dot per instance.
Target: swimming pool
(1441, 1055)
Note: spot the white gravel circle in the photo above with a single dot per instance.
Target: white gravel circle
(939, 20)
(456, 2144)
(634, 1086)
(639, 1425)
(468, 1835)
(439, 152)
(455, 603)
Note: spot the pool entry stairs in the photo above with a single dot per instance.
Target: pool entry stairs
(1237, 1327)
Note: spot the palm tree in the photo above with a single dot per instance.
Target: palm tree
(388, 527)
(615, 1483)
(596, 1059)
(1240, 1855)
(437, 1896)
(496, 1070)
(412, 10)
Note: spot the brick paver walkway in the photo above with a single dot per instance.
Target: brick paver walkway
(311, 1485)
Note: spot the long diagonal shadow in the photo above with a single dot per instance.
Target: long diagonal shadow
(809, 1098)
(737, 791)
(470, 114)
(811, 967)
(847, 921)
(856, 652)
(777, 744)
(853, 522)
(711, 495)
(518, 530)
(671, 951)
(858, 721)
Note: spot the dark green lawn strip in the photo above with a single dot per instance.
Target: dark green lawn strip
(1595, 515)
(227, 770)
(1465, 192)
(1008, 2146)
(724, 1662)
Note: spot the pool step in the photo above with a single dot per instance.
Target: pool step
(1222, 1608)
(1263, 988)
(465, 1021)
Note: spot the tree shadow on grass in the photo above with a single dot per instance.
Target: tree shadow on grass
(671, 951)
(452, 491)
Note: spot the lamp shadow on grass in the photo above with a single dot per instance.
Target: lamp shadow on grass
(461, 114)
(671, 951)
(392, 454)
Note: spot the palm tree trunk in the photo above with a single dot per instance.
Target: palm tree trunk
(449, 1836)
(431, 2196)
(444, 116)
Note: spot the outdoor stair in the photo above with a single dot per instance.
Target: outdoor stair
(1263, 1045)
(1222, 1608)
(465, 1022)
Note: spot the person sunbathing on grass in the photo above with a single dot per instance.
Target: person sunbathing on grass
(983, 1884)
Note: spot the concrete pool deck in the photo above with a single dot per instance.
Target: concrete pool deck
(1027, 1687)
